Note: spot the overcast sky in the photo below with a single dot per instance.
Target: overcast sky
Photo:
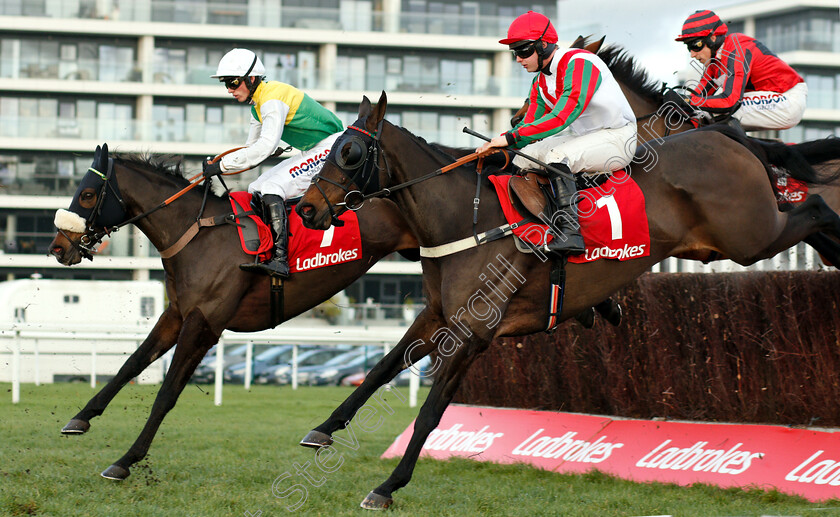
(646, 29)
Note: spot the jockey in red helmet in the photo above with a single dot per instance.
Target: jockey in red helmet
(578, 119)
(741, 76)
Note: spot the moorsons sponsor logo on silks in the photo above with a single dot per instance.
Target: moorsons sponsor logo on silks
(312, 164)
(763, 99)
(326, 259)
(699, 459)
(615, 253)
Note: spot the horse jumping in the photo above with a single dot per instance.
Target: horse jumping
(207, 291)
(706, 196)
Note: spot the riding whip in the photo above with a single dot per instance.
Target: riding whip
(514, 151)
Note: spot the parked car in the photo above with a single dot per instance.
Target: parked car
(282, 372)
(334, 374)
(402, 378)
(305, 372)
(205, 372)
(280, 354)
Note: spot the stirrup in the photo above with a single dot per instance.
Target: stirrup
(270, 268)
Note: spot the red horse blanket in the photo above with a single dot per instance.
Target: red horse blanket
(612, 217)
(308, 249)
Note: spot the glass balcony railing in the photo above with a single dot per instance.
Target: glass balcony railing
(109, 130)
(355, 15)
(162, 73)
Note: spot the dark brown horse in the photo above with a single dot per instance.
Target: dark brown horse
(656, 119)
(207, 291)
(705, 195)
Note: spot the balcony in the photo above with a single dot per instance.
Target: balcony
(352, 15)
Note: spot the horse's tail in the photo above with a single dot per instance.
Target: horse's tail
(799, 159)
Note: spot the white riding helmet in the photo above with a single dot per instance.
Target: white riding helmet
(239, 62)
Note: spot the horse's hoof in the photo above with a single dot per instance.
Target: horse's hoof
(316, 440)
(75, 426)
(374, 501)
(614, 316)
(587, 318)
(116, 473)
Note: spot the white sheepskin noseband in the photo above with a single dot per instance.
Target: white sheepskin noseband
(68, 221)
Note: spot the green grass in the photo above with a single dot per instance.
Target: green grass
(209, 461)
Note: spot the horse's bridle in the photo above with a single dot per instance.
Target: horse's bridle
(685, 116)
(358, 166)
(91, 238)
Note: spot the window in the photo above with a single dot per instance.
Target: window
(147, 307)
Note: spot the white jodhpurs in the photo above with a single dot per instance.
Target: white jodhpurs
(291, 177)
(771, 110)
(599, 151)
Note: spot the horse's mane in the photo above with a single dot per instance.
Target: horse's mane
(631, 74)
(445, 152)
(166, 164)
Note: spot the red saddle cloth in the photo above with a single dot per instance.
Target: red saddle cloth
(789, 190)
(308, 249)
(612, 219)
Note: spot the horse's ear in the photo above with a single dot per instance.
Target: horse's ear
(378, 113)
(364, 107)
(595, 46)
(105, 152)
(578, 42)
(96, 153)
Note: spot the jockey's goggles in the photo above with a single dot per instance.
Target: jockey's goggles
(695, 45)
(231, 83)
(525, 49)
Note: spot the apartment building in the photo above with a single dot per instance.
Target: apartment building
(135, 74)
(806, 34)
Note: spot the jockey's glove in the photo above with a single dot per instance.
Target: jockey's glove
(211, 169)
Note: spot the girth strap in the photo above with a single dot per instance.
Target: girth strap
(471, 242)
(276, 300)
(557, 286)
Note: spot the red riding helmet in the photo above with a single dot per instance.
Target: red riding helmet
(701, 24)
(530, 26)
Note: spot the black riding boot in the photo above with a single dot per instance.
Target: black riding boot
(564, 223)
(274, 209)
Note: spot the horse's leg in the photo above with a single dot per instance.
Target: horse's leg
(827, 247)
(194, 340)
(443, 389)
(811, 216)
(385, 370)
(162, 337)
(611, 311)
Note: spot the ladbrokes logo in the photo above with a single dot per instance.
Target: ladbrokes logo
(326, 259)
(454, 440)
(615, 253)
(566, 447)
(825, 472)
(699, 459)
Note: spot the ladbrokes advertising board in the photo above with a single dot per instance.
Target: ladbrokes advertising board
(794, 461)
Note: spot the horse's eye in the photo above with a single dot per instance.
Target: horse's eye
(87, 198)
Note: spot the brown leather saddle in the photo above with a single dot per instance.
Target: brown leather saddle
(528, 194)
